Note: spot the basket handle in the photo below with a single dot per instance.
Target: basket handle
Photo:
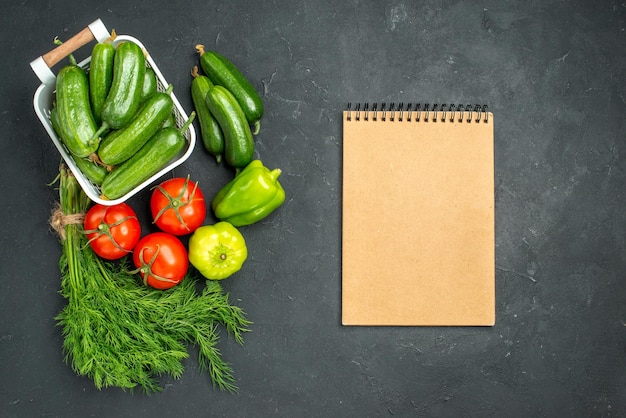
(41, 65)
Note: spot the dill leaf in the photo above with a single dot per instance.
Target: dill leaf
(121, 333)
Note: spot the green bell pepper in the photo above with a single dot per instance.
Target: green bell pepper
(217, 251)
(253, 194)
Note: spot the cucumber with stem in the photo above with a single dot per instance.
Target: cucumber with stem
(160, 149)
(224, 73)
(101, 74)
(210, 131)
(121, 144)
(93, 171)
(149, 84)
(238, 142)
(77, 125)
(124, 97)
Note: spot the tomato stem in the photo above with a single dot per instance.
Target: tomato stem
(176, 202)
(105, 229)
(146, 268)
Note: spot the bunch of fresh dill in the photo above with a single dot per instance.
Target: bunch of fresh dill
(123, 334)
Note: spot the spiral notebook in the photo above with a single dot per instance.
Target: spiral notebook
(418, 216)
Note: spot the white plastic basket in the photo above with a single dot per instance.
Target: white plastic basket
(44, 96)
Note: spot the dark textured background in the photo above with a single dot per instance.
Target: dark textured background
(553, 73)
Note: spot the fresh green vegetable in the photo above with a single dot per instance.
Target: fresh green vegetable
(149, 84)
(164, 145)
(54, 119)
(252, 195)
(122, 144)
(224, 73)
(210, 130)
(238, 142)
(120, 333)
(101, 75)
(94, 172)
(76, 123)
(217, 251)
(124, 96)
(170, 121)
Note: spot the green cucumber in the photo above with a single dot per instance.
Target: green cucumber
(164, 145)
(224, 73)
(54, 120)
(76, 123)
(120, 145)
(100, 76)
(170, 121)
(238, 142)
(89, 168)
(124, 97)
(149, 84)
(94, 172)
(210, 131)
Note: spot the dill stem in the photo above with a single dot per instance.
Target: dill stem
(121, 333)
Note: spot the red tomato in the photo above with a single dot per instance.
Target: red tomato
(178, 206)
(112, 231)
(161, 260)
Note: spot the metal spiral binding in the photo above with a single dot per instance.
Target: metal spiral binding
(418, 112)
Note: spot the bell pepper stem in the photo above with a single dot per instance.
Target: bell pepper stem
(275, 173)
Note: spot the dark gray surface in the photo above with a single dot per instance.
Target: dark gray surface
(552, 72)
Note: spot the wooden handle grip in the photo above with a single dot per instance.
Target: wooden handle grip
(57, 54)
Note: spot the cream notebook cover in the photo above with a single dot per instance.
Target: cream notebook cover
(418, 216)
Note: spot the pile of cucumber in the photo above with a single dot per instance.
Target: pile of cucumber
(228, 108)
(120, 129)
(117, 126)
